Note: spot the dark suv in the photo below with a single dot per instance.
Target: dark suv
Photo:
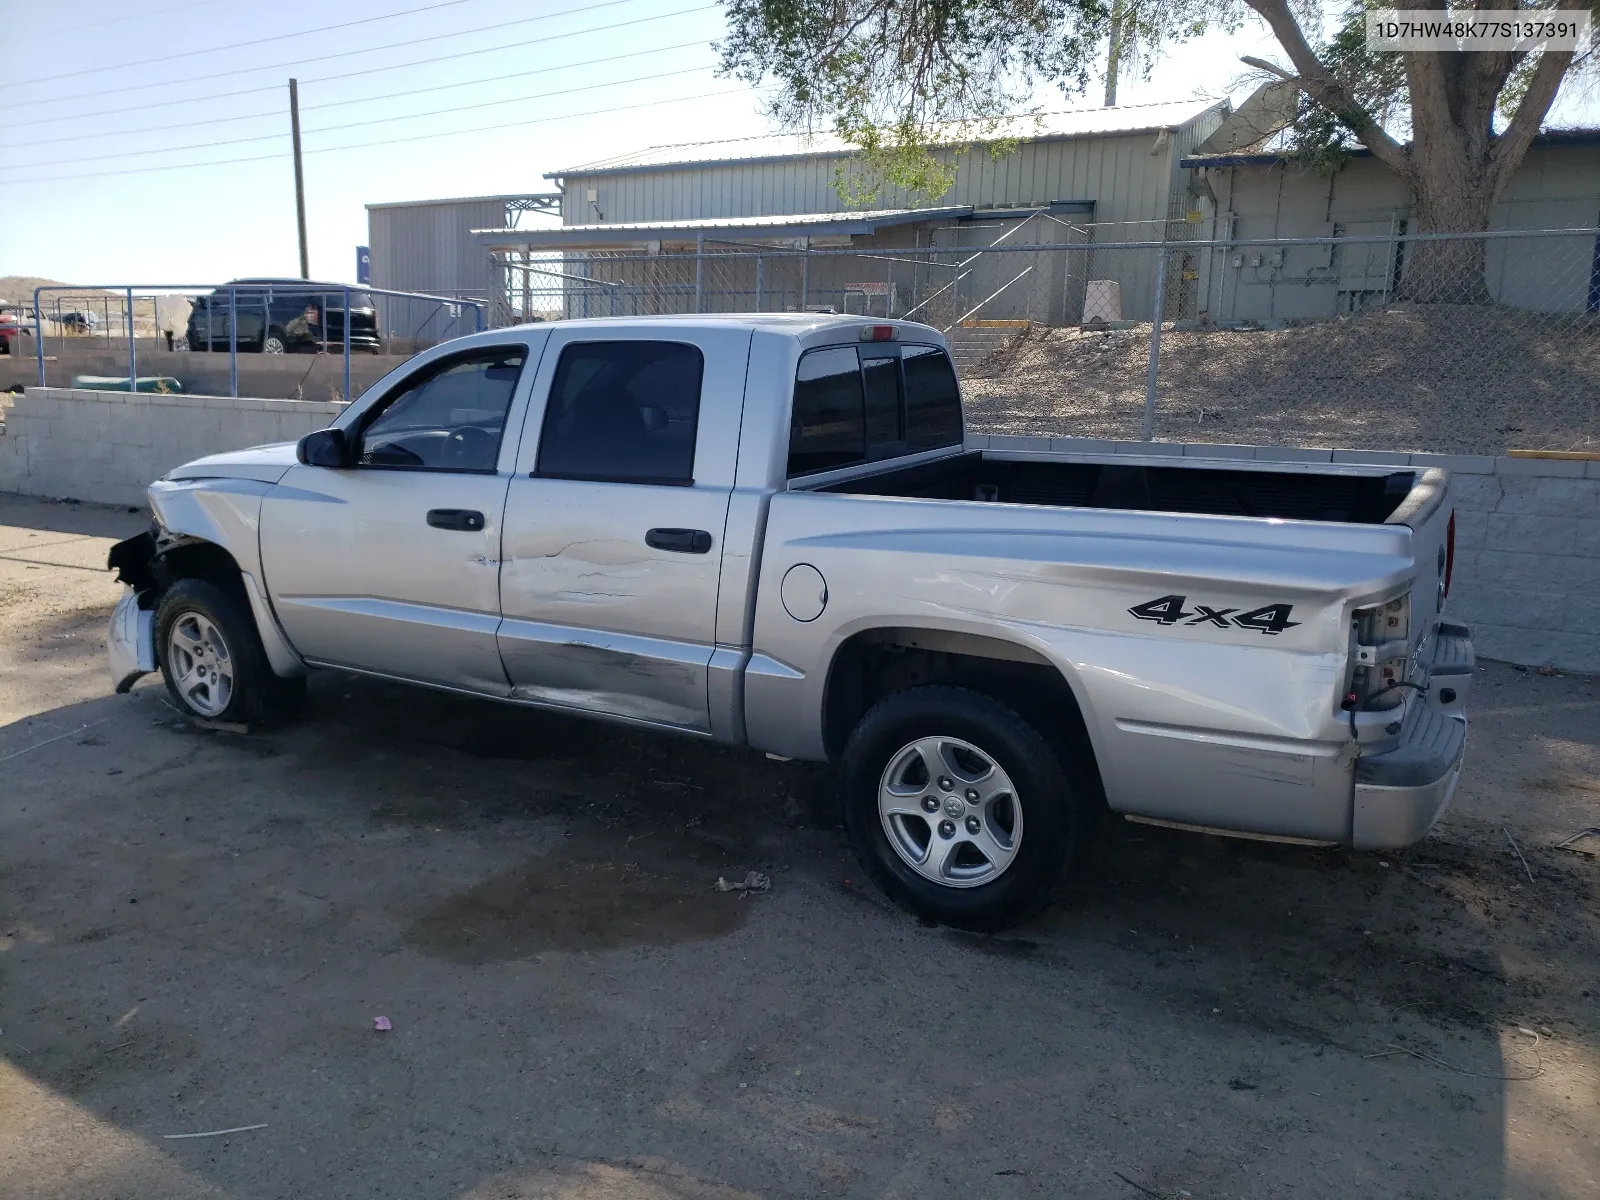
(282, 316)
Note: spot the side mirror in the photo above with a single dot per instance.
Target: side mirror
(324, 448)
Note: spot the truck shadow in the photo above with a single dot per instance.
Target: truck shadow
(1450, 931)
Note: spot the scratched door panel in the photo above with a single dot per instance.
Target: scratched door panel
(596, 618)
(360, 578)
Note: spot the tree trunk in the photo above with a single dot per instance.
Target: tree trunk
(1451, 172)
(1447, 272)
(1453, 195)
(1114, 54)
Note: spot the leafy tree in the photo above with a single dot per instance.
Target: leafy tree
(896, 77)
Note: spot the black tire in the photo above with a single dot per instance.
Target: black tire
(254, 696)
(1059, 818)
(274, 334)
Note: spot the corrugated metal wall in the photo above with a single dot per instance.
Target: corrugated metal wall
(1128, 176)
(1558, 187)
(429, 247)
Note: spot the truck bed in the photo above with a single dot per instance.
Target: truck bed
(1361, 499)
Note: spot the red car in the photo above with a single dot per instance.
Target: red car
(10, 326)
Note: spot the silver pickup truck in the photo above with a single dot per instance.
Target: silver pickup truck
(769, 530)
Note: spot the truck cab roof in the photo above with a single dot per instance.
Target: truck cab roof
(806, 327)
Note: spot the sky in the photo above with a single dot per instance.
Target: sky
(153, 147)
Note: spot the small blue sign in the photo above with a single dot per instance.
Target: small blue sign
(363, 265)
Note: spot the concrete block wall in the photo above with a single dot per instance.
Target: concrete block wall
(106, 447)
(274, 376)
(1527, 573)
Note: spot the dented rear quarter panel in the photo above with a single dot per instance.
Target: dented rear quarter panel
(1231, 727)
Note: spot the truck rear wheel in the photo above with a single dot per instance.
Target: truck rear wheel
(958, 808)
(213, 662)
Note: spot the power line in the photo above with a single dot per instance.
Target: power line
(274, 87)
(265, 137)
(295, 62)
(409, 92)
(498, 125)
(77, 30)
(277, 37)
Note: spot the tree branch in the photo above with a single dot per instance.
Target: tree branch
(1512, 145)
(1315, 81)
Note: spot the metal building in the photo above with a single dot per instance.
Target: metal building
(1122, 161)
(784, 221)
(1265, 195)
(683, 227)
(428, 246)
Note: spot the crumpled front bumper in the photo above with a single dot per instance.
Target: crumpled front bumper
(130, 641)
(1401, 793)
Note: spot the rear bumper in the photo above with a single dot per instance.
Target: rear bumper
(1401, 793)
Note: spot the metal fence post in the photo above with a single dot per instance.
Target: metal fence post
(38, 333)
(347, 345)
(233, 342)
(805, 274)
(1155, 345)
(761, 273)
(699, 273)
(133, 358)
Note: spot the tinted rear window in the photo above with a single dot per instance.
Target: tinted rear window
(882, 379)
(624, 411)
(933, 401)
(852, 406)
(828, 425)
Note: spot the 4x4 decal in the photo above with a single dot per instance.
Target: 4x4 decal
(1170, 610)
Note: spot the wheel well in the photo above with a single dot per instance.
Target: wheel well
(879, 662)
(197, 559)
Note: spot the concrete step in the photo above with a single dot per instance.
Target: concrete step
(973, 343)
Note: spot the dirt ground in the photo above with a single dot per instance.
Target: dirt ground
(1450, 378)
(198, 929)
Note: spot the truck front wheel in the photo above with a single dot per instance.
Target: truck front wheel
(958, 808)
(213, 661)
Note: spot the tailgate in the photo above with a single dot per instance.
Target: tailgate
(1396, 641)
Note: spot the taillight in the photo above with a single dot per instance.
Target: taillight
(1449, 551)
(1380, 643)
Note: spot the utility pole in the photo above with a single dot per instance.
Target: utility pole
(299, 177)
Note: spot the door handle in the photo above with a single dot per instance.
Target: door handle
(681, 541)
(465, 520)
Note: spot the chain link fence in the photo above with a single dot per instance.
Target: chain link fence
(215, 340)
(1457, 344)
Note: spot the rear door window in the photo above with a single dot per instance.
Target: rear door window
(623, 411)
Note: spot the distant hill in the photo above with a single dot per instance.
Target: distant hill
(18, 289)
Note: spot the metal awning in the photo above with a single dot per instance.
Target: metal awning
(637, 235)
